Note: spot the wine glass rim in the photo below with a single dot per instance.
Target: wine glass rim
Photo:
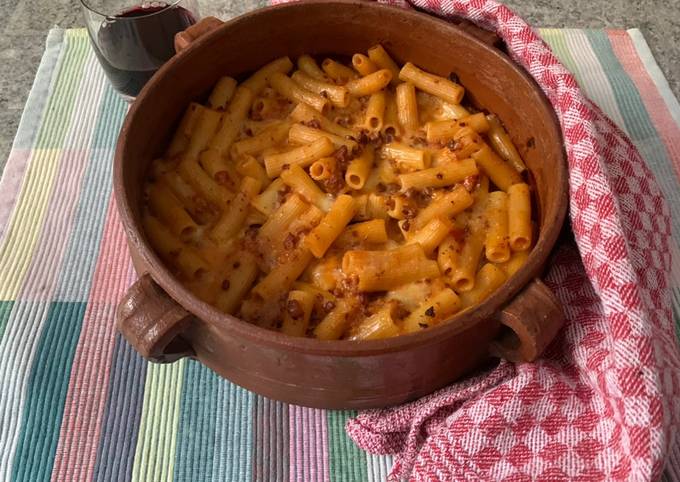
(169, 4)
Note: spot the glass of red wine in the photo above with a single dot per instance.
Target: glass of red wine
(133, 41)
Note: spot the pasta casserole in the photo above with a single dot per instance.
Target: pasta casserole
(340, 200)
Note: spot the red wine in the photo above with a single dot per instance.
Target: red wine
(132, 45)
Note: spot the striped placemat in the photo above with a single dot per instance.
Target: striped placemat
(76, 403)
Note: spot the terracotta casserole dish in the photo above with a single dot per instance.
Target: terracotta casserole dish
(164, 321)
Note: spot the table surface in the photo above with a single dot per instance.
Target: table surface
(27, 23)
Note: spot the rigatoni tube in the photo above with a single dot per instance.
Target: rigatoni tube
(323, 169)
(302, 156)
(431, 235)
(432, 84)
(298, 309)
(330, 227)
(385, 270)
(337, 71)
(222, 93)
(279, 221)
(232, 118)
(445, 206)
(497, 244)
(432, 311)
(379, 56)
(443, 130)
(269, 137)
(501, 142)
(305, 113)
(489, 279)
(376, 327)
(206, 186)
(407, 107)
(375, 111)
(359, 168)
(302, 134)
(445, 175)
(368, 232)
(236, 281)
(282, 276)
(186, 126)
(258, 81)
(334, 324)
(406, 157)
(235, 214)
(500, 172)
(309, 66)
(369, 84)
(168, 208)
(338, 95)
(293, 92)
(363, 64)
(249, 166)
(462, 274)
(519, 217)
(203, 132)
(300, 182)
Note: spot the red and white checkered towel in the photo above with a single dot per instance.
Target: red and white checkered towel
(602, 402)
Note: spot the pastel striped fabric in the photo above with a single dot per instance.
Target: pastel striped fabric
(76, 403)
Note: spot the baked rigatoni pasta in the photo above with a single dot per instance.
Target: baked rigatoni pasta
(379, 56)
(232, 119)
(304, 134)
(387, 269)
(380, 325)
(500, 172)
(407, 106)
(305, 114)
(432, 310)
(363, 64)
(180, 140)
(445, 175)
(519, 217)
(202, 132)
(331, 226)
(170, 210)
(323, 169)
(337, 71)
(375, 112)
(370, 83)
(340, 200)
(502, 143)
(432, 84)
(260, 79)
(234, 215)
(286, 87)
(497, 240)
(297, 312)
(222, 93)
(302, 156)
(299, 181)
(359, 168)
(271, 136)
(309, 66)
(338, 95)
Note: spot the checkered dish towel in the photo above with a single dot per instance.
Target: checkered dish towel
(602, 402)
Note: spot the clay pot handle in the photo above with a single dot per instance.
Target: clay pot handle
(206, 25)
(153, 323)
(532, 320)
